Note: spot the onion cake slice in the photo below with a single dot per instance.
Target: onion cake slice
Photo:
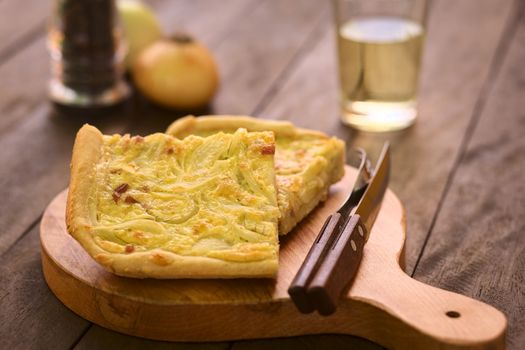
(160, 207)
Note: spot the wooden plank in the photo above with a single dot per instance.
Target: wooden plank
(101, 338)
(18, 97)
(31, 316)
(310, 342)
(260, 50)
(477, 247)
(23, 21)
(26, 21)
(208, 21)
(454, 70)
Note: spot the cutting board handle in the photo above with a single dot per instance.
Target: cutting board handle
(441, 319)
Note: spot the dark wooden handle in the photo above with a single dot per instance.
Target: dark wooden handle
(322, 244)
(338, 267)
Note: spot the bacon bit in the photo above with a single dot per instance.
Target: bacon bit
(130, 200)
(122, 188)
(129, 248)
(268, 149)
(117, 192)
(169, 151)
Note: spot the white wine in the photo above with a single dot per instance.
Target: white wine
(379, 60)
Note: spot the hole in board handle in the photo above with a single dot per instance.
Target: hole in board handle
(453, 314)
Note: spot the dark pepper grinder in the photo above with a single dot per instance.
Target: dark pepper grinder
(87, 54)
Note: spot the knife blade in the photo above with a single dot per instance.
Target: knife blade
(298, 287)
(340, 264)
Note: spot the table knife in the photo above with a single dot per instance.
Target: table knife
(318, 250)
(335, 256)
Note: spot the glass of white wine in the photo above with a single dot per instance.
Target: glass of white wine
(379, 47)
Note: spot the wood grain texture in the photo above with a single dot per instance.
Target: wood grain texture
(265, 43)
(477, 247)
(18, 99)
(31, 317)
(454, 70)
(406, 313)
(309, 342)
(23, 21)
(101, 339)
(210, 22)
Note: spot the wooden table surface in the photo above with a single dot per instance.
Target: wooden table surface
(459, 171)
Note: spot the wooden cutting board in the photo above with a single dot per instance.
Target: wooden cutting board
(383, 304)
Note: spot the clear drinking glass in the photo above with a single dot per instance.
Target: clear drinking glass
(379, 48)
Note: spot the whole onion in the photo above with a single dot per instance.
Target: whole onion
(178, 72)
(140, 27)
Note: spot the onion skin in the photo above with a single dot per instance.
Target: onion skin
(176, 73)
